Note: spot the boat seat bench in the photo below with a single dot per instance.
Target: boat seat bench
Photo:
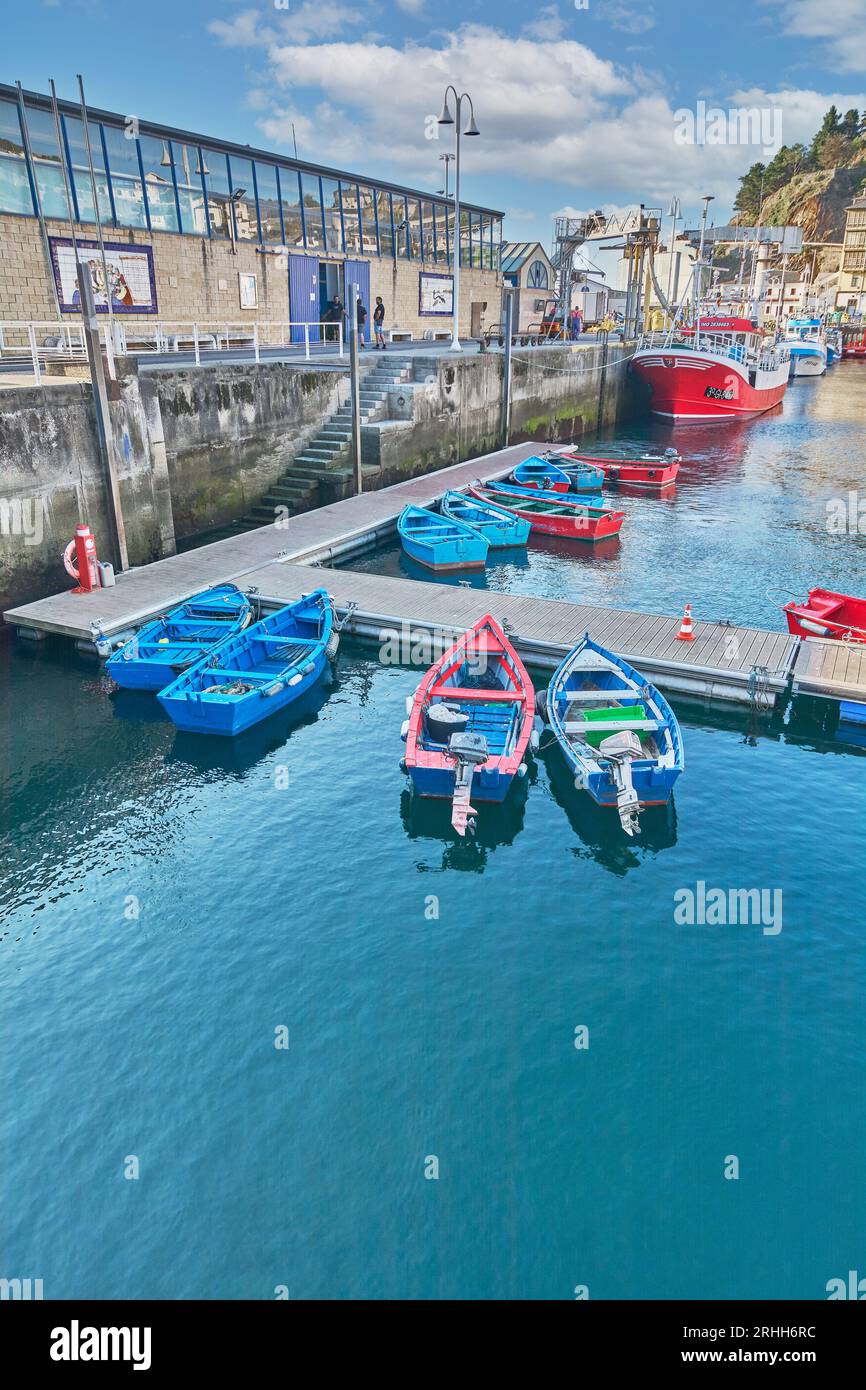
(599, 726)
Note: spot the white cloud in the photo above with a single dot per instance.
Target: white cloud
(548, 24)
(410, 6)
(314, 19)
(629, 16)
(841, 24)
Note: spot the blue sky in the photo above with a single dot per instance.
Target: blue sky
(576, 101)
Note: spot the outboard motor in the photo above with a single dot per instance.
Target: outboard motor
(468, 751)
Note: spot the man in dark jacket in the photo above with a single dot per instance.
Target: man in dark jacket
(362, 318)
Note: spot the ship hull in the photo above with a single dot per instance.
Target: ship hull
(698, 387)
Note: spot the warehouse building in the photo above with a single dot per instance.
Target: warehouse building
(199, 230)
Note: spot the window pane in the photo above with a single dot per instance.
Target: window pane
(386, 237)
(449, 255)
(269, 203)
(246, 221)
(427, 232)
(290, 195)
(158, 183)
(187, 171)
(464, 238)
(81, 172)
(125, 178)
(402, 241)
(46, 163)
(415, 227)
(476, 239)
(216, 177)
(349, 193)
(14, 184)
(333, 224)
(368, 220)
(313, 211)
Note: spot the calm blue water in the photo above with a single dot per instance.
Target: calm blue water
(310, 905)
(744, 529)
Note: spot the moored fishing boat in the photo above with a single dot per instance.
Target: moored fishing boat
(470, 722)
(804, 339)
(583, 475)
(720, 370)
(540, 472)
(617, 732)
(499, 527)
(439, 542)
(553, 513)
(156, 655)
(828, 614)
(256, 673)
(646, 471)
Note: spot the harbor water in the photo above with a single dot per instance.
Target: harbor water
(268, 1028)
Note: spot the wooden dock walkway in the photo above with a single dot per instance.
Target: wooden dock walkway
(143, 593)
(724, 662)
(718, 664)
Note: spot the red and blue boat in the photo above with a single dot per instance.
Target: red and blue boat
(654, 471)
(553, 513)
(542, 473)
(470, 722)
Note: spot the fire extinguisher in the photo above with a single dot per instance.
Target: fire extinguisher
(85, 567)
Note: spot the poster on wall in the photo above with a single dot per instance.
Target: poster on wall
(130, 273)
(435, 294)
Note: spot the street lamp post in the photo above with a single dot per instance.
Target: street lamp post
(674, 213)
(471, 129)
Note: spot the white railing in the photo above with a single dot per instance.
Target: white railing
(28, 345)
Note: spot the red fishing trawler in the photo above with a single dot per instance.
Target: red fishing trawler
(721, 369)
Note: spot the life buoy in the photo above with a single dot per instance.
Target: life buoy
(67, 562)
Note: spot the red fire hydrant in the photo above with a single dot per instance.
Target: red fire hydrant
(85, 567)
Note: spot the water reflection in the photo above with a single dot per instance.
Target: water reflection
(427, 819)
(208, 753)
(598, 828)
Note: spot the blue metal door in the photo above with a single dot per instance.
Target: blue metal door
(358, 273)
(304, 296)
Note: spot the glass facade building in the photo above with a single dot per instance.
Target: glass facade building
(158, 179)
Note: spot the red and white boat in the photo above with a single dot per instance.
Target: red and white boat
(720, 370)
(828, 614)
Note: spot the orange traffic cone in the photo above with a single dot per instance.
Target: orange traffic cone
(685, 633)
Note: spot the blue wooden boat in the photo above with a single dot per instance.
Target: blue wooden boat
(258, 672)
(439, 542)
(619, 735)
(157, 655)
(540, 472)
(582, 477)
(499, 527)
(590, 503)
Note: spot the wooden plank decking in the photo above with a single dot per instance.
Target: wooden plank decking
(143, 593)
(276, 560)
(718, 663)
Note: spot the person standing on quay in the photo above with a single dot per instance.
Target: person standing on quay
(378, 320)
(361, 310)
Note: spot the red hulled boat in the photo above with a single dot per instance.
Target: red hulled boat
(553, 513)
(640, 472)
(719, 370)
(828, 614)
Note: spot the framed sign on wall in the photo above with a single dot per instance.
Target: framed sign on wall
(132, 285)
(435, 295)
